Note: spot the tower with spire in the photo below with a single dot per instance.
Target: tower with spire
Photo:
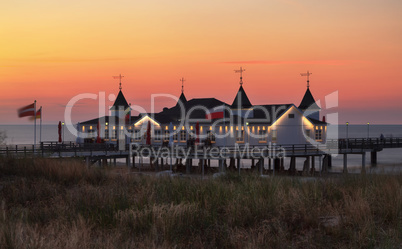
(182, 98)
(120, 104)
(241, 104)
(308, 104)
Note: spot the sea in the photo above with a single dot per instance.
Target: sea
(388, 160)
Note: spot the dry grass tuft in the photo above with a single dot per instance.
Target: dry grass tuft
(62, 204)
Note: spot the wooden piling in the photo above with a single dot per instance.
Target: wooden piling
(306, 166)
(292, 166)
(373, 158)
(345, 163)
(238, 164)
(363, 163)
(312, 165)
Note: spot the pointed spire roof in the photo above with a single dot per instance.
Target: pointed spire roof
(308, 101)
(120, 101)
(182, 98)
(241, 100)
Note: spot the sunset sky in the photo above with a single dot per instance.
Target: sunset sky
(52, 51)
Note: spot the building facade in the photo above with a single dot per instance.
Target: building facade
(210, 121)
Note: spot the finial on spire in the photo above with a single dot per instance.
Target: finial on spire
(119, 77)
(308, 77)
(182, 84)
(241, 74)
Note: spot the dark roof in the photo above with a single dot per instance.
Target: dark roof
(268, 113)
(161, 118)
(190, 105)
(308, 101)
(120, 101)
(264, 114)
(109, 119)
(182, 98)
(316, 122)
(241, 100)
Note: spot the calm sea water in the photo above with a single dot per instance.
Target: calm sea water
(388, 160)
(24, 134)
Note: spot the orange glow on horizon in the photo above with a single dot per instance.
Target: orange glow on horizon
(53, 51)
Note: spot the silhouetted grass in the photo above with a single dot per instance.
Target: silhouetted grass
(62, 204)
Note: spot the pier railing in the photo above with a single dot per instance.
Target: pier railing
(353, 145)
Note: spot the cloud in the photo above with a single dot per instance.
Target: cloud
(317, 62)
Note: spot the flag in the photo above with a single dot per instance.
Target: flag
(148, 141)
(215, 113)
(38, 114)
(27, 111)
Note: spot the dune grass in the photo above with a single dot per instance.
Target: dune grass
(62, 204)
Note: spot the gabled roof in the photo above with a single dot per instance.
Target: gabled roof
(308, 101)
(120, 101)
(241, 100)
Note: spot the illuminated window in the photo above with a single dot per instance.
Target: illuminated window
(158, 135)
(106, 133)
(182, 135)
(211, 136)
(175, 136)
(130, 132)
(91, 132)
(114, 134)
(262, 135)
(318, 135)
(274, 136)
(137, 135)
(239, 136)
(166, 136)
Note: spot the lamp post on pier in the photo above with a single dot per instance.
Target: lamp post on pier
(63, 130)
(368, 130)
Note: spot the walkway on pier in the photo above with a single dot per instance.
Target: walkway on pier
(97, 152)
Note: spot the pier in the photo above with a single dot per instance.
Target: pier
(264, 159)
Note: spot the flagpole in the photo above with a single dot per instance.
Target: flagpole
(224, 141)
(34, 126)
(40, 130)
